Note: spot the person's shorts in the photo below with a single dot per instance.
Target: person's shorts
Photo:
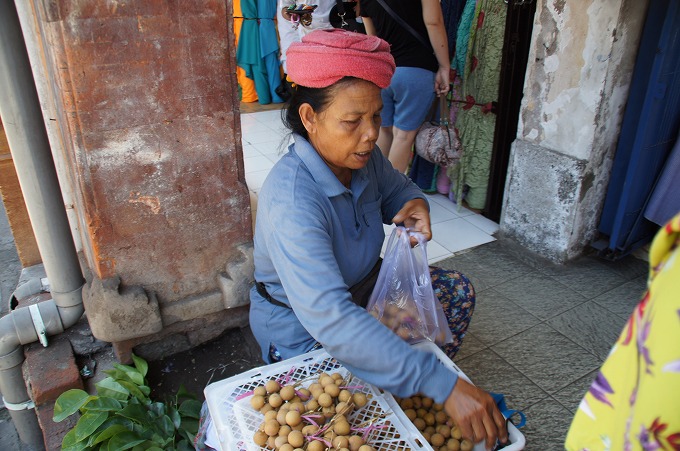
(407, 100)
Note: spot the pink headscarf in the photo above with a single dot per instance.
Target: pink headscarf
(325, 56)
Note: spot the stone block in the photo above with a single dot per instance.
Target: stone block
(118, 313)
(238, 278)
(51, 371)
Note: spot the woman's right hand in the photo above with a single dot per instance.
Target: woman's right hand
(476, 414)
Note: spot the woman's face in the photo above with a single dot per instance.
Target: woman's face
(345, 132)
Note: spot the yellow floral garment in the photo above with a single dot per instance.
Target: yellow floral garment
(634, 402)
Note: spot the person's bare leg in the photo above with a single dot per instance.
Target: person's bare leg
(401, 149)
(385, 140)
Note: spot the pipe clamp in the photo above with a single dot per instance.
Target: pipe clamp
(26, 405)
(38, 324)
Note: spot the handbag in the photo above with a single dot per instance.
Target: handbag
(435, 141)
(343, 15)
(403, 298)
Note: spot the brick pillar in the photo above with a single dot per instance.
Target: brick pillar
(148, 106)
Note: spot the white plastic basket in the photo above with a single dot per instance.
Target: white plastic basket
(236, 421)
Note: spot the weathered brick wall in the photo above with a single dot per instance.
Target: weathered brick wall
(149, 114)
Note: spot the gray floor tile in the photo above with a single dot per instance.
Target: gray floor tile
(488, 370)
(629, 267)
(540, 295)
(587, 276)
(623, 299)
(547, 357)
(547, 426)
(571, 395)
(471, 345)
(591, 326)
(497, 318)
(487, 266)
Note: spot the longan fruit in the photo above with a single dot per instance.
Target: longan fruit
(444, 430)
(312, 404)
(421, 413)
(438, 406)
(304, 394)
(355, 442)
(430, 430)
(332, 390)
(286, 447)
(360, 399)
(287, 393)
(441, 417)
(280, 441)
(427, 402)
(325, 400)
(310, 429)
(337, 376)
(411, 414)
(341, 428)
(406, 403)
(453, 444)
(271, 415)
(456, 433)
(260, 438)
(417, 402)
(437, 439)
(284, 430)
(297, 406)
(345, 395)
(340, 442)
(272, 386)
(366, 448)
(466, 445)
(257, 402)
(328, 412)
(281, 416)
(260, 391)
(293, 418)
(429, 419)
(275, 400)
(343, 408)
(419, 423)
(271, 427)
(270, 443)
(316, 445)
(296, 439)
(426, 436)
(326, 380)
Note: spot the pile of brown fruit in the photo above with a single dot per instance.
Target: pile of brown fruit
(309, 419)
(435, 425)
(404, 321)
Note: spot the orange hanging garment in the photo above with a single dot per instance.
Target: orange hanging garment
(248, 93)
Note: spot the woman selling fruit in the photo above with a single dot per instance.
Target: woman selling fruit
(319, 232)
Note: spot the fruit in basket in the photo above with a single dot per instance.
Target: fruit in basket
(272, 386)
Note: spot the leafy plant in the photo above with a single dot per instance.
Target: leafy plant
(122, 416)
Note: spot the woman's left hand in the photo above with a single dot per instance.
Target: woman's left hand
(415, 215)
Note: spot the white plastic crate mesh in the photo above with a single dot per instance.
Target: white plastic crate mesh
(236, 421)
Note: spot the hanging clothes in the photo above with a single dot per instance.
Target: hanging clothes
(463, 37)
(475, 122)
(247, 85)
(452, 10)
(664, 202)
(254, 52)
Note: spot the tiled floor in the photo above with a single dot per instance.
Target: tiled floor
(265, 140)
(539, 332)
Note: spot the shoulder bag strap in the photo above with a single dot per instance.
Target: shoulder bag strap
(403, 23)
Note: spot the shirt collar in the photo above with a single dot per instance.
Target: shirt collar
(320, 171)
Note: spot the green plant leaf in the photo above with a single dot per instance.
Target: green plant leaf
(158, 408)
(132, 373)
(190, 425)
(125, 440)
(167, 426)
(134, 391)
(154, 448)
(103, 404)
(141, 365)
(145, 389)
(175, 416)
(136, 413)
(68, 403)
(111, 389)
(183, 445)
(106, 434)
(183, 393)
(89, 423)
(188, 435)
(190, 408)
(70, 443)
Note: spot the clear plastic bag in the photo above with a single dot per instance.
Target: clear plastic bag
(403, 299)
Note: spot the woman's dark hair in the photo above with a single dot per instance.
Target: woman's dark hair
(317, 98)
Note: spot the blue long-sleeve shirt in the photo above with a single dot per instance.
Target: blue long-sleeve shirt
(314, 238)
